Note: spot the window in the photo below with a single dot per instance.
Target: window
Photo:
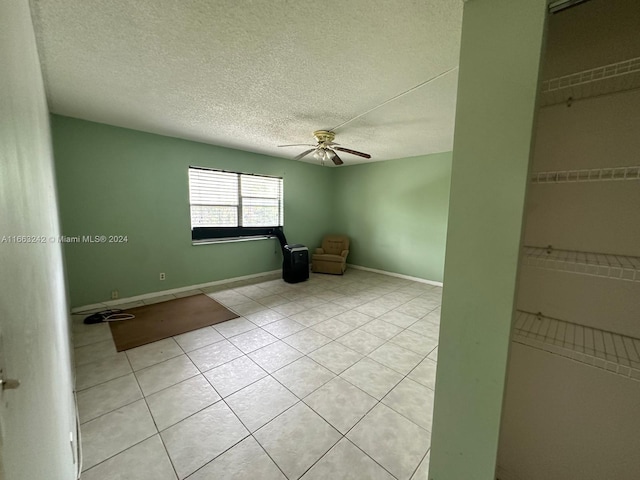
(233, 205)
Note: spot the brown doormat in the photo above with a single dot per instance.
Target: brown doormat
(166, 319)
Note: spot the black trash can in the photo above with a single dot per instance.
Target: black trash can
(295, 266)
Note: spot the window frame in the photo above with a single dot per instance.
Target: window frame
(200, 235)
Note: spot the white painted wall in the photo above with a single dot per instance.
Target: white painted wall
(36, 419)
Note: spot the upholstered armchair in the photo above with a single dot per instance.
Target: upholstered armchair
(332, 256)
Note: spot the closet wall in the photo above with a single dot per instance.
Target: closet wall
(572, 405)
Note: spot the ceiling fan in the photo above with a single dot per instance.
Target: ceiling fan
(325, 149)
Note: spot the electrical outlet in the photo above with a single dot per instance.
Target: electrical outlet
(163, 276)
(115, 295)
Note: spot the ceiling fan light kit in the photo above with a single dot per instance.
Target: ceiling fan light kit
(325, 148)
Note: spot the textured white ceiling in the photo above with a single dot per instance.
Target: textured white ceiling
(255, 74)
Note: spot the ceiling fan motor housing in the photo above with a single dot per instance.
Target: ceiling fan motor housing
(324, 136)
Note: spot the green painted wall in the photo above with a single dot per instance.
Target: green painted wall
(395, 213)
(37, 419)
(497, 88)
(116, 181)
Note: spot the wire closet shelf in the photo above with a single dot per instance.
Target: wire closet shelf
(615, 353)
(618, 267)
(605, 174)
(602, 80)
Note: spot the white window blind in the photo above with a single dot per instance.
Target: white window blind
(227, 199)
(261, 199)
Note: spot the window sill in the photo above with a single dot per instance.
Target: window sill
(208, 241)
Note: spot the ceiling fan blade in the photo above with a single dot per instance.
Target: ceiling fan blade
(298, 145)
(353, 152)
(304, 154)
(335, 158)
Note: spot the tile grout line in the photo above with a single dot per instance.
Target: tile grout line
(122, 451)
(344, 435)
(420, 462)
(384, 396)
(251, 434)
(325, 453)
(154, 420)
(117, 408)
(137, 443)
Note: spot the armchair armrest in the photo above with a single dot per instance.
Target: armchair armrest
(319, 251)
(344, 253)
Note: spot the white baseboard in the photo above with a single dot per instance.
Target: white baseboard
(398, 275)
(147, 296)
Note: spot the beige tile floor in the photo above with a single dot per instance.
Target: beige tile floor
(328, 379)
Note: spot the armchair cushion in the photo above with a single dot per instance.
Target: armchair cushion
(329, 258)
